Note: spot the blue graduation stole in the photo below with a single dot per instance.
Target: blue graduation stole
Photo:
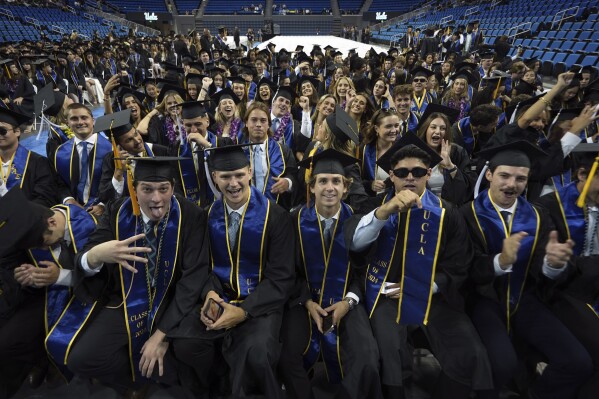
(412, 122)
(369, 161)
(64, 315)
(466, 131)
(58, 135)
(494, 230)
(65, 158)
(384, 102)
(143, 301)
(572, 215)
(327, 272)
(240, 268)
(562, 180)
(190, 176)
(275, 165)
(18, 168)
(419, 259)
(252, 91)
(419, 105)
(501, 121)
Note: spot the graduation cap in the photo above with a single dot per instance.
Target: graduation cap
(203, 50)
(198, 65)
(563, 114)
(299, 48)
(270, 83)
(154, 169)
(22, 223)
(392, 50)
(586, 155)
(194, 78)
(153, 81)
(327, 47)
(167, 66)
(408, 138)
(126, 91)
(271, 44)
(526, 88)
(42, 62)
(487, 55)
(14, 119)
(464, 74)
(306, 78)
(342, 126)
(303, 57)
(328, 161)
(167, 88)
(228, 158)
(506, 152)
(285, 92)
(591, 96)
(336, 53)
(237, 79)
(451, 113)
(356, 63)
(248, 70)
(465, 64)
(193, 109)
(530, 61)
(421, 71)
(225, 93)
(114, 125)
(48, 101)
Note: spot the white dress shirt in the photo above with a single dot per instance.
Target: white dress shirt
(90, 140)
(265, 164)
(5, 172)
(65, 277)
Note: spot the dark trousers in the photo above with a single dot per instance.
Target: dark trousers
(453, 341)
(569, 364)
(21, 344)
(251, 350)
(102, 352)
(583, 322)
(357, 349)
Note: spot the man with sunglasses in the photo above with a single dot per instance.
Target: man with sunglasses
(21, 167)
(418, 254)
(421, 97)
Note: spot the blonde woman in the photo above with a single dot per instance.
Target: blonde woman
(163, 124)
(228, 119)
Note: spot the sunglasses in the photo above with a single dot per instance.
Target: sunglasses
(3, 131)
(416, 172)
(420, 80)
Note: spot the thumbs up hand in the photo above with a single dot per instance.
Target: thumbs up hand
(558, 254)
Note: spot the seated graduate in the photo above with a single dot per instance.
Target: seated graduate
(126, 143)
(285, 129)
(419, 256)
(160, 238)
(20, 167)
(517, 258)
(47, 241)
(273, 163)
(196, 121)
(575, 300)
(252, 249)
(337, 327)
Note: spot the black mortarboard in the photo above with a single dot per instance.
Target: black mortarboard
(464, 74)
(303, 57)
(421, 71)
(270, 83)
(155, 81)
(392, 49)
(225, 93)
(526, 88)
(167, 66)
(228, 158)
(114, 125)
(408, 138)
(154, 169)
(328, 161)
(336, 53)
(193, 109)
(520, 153)
(42, 62)
(169, 89)
(13, 118)
(22, 223)
(530, 61)
(465, 64)
(194, 78)
(286, 92)
(451, 113)
(485, 55)
(512, 108)
(327, 47)
(125, 91)
(247, 69)
(561, 115)
(203, 50)
(46, 100)
(299, 48)
(305, 78)
(199, 65)
(237, 79)
(584, 154)
(342, 126)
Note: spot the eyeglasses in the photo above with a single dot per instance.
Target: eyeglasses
(419, 80)
(417, 172)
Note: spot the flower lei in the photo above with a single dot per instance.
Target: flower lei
(283, 122)
(67, 131)
(233, 131)
(460, 105)
(171, 132)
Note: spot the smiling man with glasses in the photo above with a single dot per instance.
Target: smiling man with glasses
(418, 262)
(421, 97)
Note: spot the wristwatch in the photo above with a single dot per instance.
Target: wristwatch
(452, 169)
(351, 302)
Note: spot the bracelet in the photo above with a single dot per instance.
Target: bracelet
(545, 101)
(452, 169)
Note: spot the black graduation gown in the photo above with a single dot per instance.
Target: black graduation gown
(23, 89)
(56, 84)
(39, 185)
(190, 274)
(106, 191)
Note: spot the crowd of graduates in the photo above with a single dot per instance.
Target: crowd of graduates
(237, 215)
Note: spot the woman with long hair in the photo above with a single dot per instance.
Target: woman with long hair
(343, 90)
(266, 91)
(228, 122)
(452, 179)
(163, 125)
(360, 109)
(19, 89)
(381, 95)
(307, 86)
(338, 73)
(382, 132)
(456, 96)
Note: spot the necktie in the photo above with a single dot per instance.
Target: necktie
(258, 168)
(151, 239)
(84, 171)
(328, 232)
(505, 215)
(275, 124)
(233, 228)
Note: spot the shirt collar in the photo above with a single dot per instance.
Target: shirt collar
(334, 217)
(91, 139)
(511, 209)
(239, 211)
(67, 230)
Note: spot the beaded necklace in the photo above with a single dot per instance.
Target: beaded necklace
(150, 279)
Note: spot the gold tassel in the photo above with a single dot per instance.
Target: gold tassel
(581, 200)
(118, 164)
(134, 203)
(7, 69)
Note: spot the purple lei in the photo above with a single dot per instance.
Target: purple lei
(171, 131)
(283, 122)
(233, 131)
(460, 105)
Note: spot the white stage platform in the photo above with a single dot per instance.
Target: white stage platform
(344, 45)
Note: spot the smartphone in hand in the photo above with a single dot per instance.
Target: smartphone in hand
(327, 324)
(209, 313)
